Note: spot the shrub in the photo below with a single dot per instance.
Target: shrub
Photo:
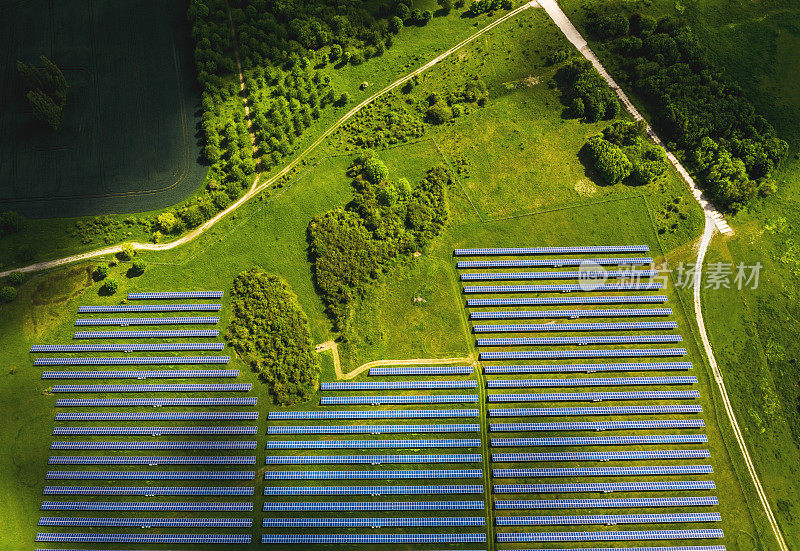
(16, 278)
(137, 268)
(7, 294)
(10, 222)
(166, 222)
(438, 113)
(375, 170)
(271, 332)
(128, 251)
(395, 24)
(586, 92)
(100, 272)
(109, 287)
(609, 160)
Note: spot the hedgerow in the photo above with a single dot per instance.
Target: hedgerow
(270, 331)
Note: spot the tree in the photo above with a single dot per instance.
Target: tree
(344, 99)
(625, 132)
(336, 52)
(402, 11)
(609, 160)
(127, 252)
(7, 294)
(395, 24)
(438, 113)
(611, 26)
(100, 272)
(426, 16)
(166, 222)
(45, 109)
(137, 268)
(375, 170)
(16, 278)
(445, 6)
(109, 287)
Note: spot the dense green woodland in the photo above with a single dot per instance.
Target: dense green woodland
(270, 331)
(386, 220)
(732, 148)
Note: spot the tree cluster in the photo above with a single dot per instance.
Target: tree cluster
(621, 155)
(47, 91)
(586, 92)
(386, 219)
(478, 7)
(699, 108)
(270, 331)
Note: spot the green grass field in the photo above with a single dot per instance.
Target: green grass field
(128, 141)
(270, 233)
(753, 331)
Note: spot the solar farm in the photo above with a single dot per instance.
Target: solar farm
(594, 435)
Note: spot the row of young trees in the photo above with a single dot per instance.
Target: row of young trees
(270, 331)
(386, 219)
(705, 114)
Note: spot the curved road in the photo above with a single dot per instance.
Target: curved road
(258, 187)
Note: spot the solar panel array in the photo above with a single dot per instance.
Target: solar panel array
(373, 414)
(194, 469)
(371, 459)
(385, 400)
(302, 506)
(371, 429)
(422, 370)
(398, 385)
(677, 428)
(172, 295)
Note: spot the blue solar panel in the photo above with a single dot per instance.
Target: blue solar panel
(600, 425)
(605, 487)
(362, 522)
(553, 262)
(588, 275)
(370, 429)
(142, 538)
(170, 445)
(147, 360)
(150, 475)
(586, 368)
(607, 519)
(124, 322)
(422, 370)
(151, 431)
(515, 537)
(152, 460)
(155, 402)
(561, 301)
(169, 334)
(564, 354)
(571, 314)
(129, 347)
(398, 385)
(373, 414)
(121, 308)
(432, 489)
(223, 387)
(371, 459)
(670, 548)
(159, 522)
(600, 456)
(551, 341)
(590, 249)
(161, 416)
(606, 503)
(371, 538)
(594, 381)
(656, 470)
(587, 411)
(590, 285)
(165, 374)
(298, 506)
(149, 490)
(168, 295)
(553, 327)
(370, 444)
(187, 506)
(602, 440)
(593, 396)
(378, 400)
(371, 475)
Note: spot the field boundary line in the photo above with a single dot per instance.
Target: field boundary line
(574, 36)
(256, 187)
(708, 233)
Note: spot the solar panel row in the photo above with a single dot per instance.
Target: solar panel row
(371, 459)
(150, 475)
(593, 249)
(600, 425)
(432, 489)
(129, 347)
(189, 320)
(601, 440)
(554, 262)
(169, 334)
(145, 360)
(587, 411)
(593, 381)
(152, 460)
(158, 522)
(561, 301)
(370, 429)
(531, 537)
(379, 522)
(372, 414)
(600, 456)
(422, 370)
(553, 327)
(594, 396)
(166, 374)
(142, 538)
(169, 295)
(398, 385)
(187, 506)
(657, 470)
(605, 487)
(225, 387)
(155, 402)
(152, 431)
(371, 538)
(572, 314)
(575, 354)
(606, 503)
(370, 444)
(149, 490)
(121, 308)
(374, 506)
(372, 475)
(607, 519)
(589, 285)
(379, 400)
(589, 274)
(160, 416)
(586, 368)
(552, 341)
(169, 445)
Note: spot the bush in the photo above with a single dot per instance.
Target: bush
(271, 332)
(608, 160)
(375, 170)
(109, 287)
(10, 222)
(7, 294)
(439, 113)
(100, 272)
(166, 222)
(137, 268)
(128, 251)
(16, 278)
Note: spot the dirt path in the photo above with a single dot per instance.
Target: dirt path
(572, 34)
(258, 187)
(337, 366)
(708, 233)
